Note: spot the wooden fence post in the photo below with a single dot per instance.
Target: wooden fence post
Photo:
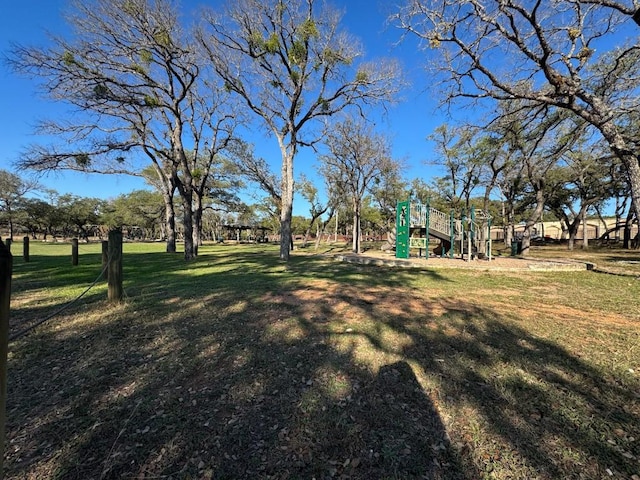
(25, 249)
(105, 257)
(6, 268)
(115, 291)
(74, 251)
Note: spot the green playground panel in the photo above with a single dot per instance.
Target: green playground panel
(402, 230)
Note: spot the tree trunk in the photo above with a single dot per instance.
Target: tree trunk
(318, 236)
(307, 232)
(197, 223)
(286, 210)
(323, 230)
(356, 228)
(509, 224)
(170, 222)
(626, 236)
(531, 221)
(572, 238)
(585, 233)
(626, 239)
(390, 242)
(571, 227)
(620, 208)
(187, 222)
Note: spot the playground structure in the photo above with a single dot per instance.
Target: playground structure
(417, 222)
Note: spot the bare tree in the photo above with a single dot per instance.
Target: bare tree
(357, 157)
(292, 65)
(540, 140)
(499, 153)
(255, 170)
(386, 192)
(135, 77)
(316, 208)
(157, 176)
(219, 193)
(546, 53)
(459, 157)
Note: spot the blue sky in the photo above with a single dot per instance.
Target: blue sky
(407, 124)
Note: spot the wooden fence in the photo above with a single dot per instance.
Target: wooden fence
(6, 270)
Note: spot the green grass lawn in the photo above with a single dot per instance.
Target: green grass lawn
(237, 365)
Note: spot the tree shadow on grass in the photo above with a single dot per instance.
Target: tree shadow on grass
(305, 370)
(546, 411)
(230, 403)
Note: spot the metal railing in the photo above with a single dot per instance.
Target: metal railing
(439, 222)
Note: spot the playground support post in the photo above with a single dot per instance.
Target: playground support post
(452, 235)
(464, 236)
(489, 238)
(472, 226)
(473, 238)
(426, 226)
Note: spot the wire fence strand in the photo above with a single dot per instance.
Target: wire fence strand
(26, 330)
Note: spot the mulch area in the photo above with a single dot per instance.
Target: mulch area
(377, 257)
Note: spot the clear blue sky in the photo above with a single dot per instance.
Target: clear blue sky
(407, 124)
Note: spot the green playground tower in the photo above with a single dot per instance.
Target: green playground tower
(417, 222)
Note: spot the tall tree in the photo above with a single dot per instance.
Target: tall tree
(215, 185)
(39, 217)
(291, 65)
(547, 53)
(80, 214)
(537, 141)
(584, 181)
(12, 192)
(140, 209)
(386, 193)
(357, 157)
(134, 75)
(459, 157)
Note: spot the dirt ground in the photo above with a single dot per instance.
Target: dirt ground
(496, 263)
